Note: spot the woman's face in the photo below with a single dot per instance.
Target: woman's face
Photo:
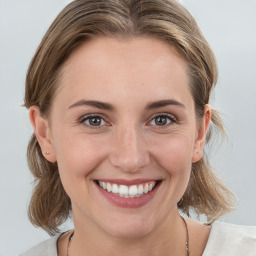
(124, 119)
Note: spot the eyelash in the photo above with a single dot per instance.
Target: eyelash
(88, 117)
(83, 120)
(170, 117)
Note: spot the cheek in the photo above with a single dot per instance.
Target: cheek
(77, 156)
(174, 153)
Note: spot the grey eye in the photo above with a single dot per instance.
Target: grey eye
(162, 120)
(94, 121)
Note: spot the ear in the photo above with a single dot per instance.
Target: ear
(43, 133)
(201, 135)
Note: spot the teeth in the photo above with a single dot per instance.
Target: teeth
(123, 190)
(133, 190)
(115, 189)
(145, 189)
(109, 187)
(140, 189)
(128, 191)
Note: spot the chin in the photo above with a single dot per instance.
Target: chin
(129, 229)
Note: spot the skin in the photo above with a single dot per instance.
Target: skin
(129, 144)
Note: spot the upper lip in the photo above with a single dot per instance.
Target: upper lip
(127, 182)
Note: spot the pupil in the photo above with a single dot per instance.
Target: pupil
(95, 121)
(161, 120)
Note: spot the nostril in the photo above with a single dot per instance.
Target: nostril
(129, 162)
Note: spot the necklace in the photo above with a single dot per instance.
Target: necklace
(187, 238)
(187, 235)
(69, 241)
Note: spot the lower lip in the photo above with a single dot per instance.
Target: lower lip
(134, 202)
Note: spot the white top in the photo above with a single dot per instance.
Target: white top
(224, 240)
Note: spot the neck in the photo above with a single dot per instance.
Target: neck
(169, 238)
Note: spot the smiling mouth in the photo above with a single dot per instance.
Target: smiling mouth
(131, 191)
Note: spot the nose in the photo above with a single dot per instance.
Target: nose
(129, 150)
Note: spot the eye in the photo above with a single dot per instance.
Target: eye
(163, 120)
(93, 121)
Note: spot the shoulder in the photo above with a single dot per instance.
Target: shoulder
(229, 239)
(46, 248)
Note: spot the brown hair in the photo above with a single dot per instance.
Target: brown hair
(82, 20)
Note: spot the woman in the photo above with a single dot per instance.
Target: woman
(118, 96)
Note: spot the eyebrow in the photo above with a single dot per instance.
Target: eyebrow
(163, 103)
(93, 103)
(109, 107)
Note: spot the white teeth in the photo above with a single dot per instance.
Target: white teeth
(145, 190)
(115, 189)
(123, 190)
(140, 189)
(109, 187)
(127, 191)
(133, 190)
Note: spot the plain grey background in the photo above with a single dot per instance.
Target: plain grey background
(229, 26)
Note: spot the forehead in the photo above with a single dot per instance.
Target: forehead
(126, 53)
(129, 67)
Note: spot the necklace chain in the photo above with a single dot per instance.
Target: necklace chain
(69, 241)
(187, 238)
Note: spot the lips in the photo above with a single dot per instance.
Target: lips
(128, 194)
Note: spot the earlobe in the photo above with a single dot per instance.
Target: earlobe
(42, 133)
(201, 136)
